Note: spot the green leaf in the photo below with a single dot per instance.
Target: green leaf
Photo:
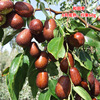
(1, 34)
(52, 86)
(52, 69)
(82, 92)
(17, 75)
(98, 97)
(45, 95)
(42, 7)
(8, 38)
(32, 82)
(29, 19)
(56, 32)
(56, 48)
(84, 56)
(98, 54)
(5, 72)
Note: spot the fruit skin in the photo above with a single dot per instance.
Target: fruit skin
(2, 19)
(98, 8)
(24, 38)
(24, 9)
(63, 87)
(6, 7)
(36, 26)
(15, 21)
(52, 58)
(41, 61)
(91, 80)
(94, 99)
(42, 80)
(75, 76)
(76, 40)
(98, 18)
(96, 90)
(84, 84)
(34, 50)
(64, 63)
(49, 26)
(77, 97)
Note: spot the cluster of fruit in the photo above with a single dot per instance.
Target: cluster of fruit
(98, 9)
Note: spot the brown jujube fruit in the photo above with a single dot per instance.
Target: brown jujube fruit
(75, 76)
(6, 7)
(63, 87)
(52, 58)
(24, 38)
(42, 80)
(24, 9)
(15, 21)
(76, 40)
(84, 84)
(39, 37)
(91, 80)
(98, 8)
(49, 26)
(94, 99)
(98, 18)
(41, 61)
(36, 26)
(64, 63)
(96, 90)
(34, 50)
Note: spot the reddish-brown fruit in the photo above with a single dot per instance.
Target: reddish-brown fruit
(52, 58)
(41, 61)
(39, 37)
(24, 9)
(84, 84)
(42, 80)
(75, 76)
(96, 90)
(98, 18)
(15, 21)
(98, 8)
(77, 97)
(6, 6)
(34, 50)
(64, 63)
(76, 40)
(36, 26)
(91, 80)
(24, 38)
(94, 99)
(49, 26)
(63, 87)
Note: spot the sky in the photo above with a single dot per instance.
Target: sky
(38, 15)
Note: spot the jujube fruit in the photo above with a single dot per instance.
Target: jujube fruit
(49, 26)
(84, 84)
(2, 19)
(98, 18)
(24, 9)
(52, 57)
(77, 97)
(41, 61)
(94, 99)
(96, 88)
(34, 49)
(64, 63)
(75, 76)
(76, 40)
(63, 87)
(98, 8)
(6, 7)
(42, 80)
(15, 21)
(24, 38)
(36, 26)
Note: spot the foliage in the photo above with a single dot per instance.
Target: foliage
(86, 57)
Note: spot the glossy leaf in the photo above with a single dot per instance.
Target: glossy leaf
(45, 95)
(52, 85)
(5, 72)
(17, 74)
(32, 82)
(1, 34)
(56, 48)
(8, 38)
(98, 54)
(52, 69)
(82, 92)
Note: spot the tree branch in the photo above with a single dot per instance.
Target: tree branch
(71, 11)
